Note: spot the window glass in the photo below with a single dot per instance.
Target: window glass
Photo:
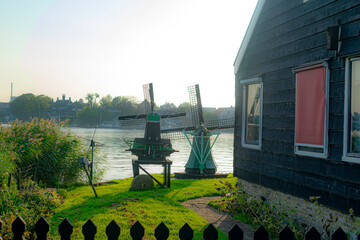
(355, 108)
(252, 111)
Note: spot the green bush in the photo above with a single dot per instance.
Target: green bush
(256, 211)
(7, 167)
(44, 151)
(38, 153)
(30, 202)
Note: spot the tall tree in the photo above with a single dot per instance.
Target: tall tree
(168, 106)
(43, 105)
(29, 106)
(92, 116)
(125, 105)
(184, 107)
(96, 96)
(106, 101)
(91, 98)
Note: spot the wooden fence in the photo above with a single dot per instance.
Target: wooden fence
(137, 231)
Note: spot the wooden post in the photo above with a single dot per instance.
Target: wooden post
(90, 180)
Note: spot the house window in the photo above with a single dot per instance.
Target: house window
(311, 110)
(251, 113)
(352, 111)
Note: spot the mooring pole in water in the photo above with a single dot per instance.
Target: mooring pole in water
(92, 145)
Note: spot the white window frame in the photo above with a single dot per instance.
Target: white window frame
(297, 146)
(244, 84)
(348, 157)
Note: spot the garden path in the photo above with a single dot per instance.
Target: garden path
(221, 220)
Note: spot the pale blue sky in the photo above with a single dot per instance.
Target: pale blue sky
(114, 46)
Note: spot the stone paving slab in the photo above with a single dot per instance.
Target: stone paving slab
(222, 221)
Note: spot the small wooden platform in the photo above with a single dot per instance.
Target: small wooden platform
(183, 175)
(167, 169)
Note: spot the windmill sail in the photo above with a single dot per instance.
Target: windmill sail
(195, 105)
(197, 116)
(149, 98)
(149, 104)
(220, 123)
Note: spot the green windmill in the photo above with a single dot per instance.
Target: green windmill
(201, 163)
(152, 148)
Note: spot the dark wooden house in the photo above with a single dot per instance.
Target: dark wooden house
(298, 100)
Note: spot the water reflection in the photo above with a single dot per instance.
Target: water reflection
(120, 160)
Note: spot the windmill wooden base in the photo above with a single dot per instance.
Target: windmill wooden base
(165, 163)
(183, 175)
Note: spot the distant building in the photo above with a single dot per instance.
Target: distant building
(208, 109)
(64, 109)
(224, 113)
(5, 112)
(5, 106)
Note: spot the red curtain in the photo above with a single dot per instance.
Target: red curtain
(310, 105)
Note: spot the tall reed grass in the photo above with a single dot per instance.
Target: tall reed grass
(42, 150)
(41, 155)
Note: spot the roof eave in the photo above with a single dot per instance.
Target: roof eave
(248, 34)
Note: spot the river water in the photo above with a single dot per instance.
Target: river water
(119, 160)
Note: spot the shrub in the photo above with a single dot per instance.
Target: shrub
(274, 216)
(30, 202)
(40, 152)
(256, 212)
(44, 151)
(7, 167)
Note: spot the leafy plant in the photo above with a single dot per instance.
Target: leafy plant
(241, 205)
(30, 202)
(7, 167)
(274, 216)
(330, 222)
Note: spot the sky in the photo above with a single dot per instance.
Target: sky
(75, 47)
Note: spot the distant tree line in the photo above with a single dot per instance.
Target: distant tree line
(29, 106)
(89, 112)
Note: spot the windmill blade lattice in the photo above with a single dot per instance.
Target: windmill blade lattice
(220, 123)
(175, 133)
(195, 105)
(149, 97)
(196, 116)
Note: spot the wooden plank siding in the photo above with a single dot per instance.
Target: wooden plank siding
(288, 34)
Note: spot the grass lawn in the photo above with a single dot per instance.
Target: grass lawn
(151, 207)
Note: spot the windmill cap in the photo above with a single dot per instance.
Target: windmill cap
(153, 117)
(201, 129)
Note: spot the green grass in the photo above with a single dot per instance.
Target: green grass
(150, 207)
